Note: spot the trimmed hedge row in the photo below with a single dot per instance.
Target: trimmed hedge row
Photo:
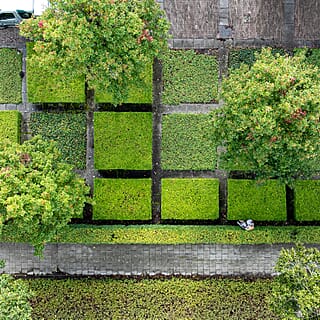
(248, 200)
(90, 299)
(67, 129)
(189, 77)
(122, 199)
(10, 68)
(187, 142)
(10, 125)
(190, 199)
(123, 140)
(307, 200)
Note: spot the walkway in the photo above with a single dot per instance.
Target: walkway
(148, 260)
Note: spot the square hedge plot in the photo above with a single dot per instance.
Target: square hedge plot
(307, 200)
(190, 199)
(122, 199)
(187, 142)
(10, 125)
(189, 77)
(67, 129)
(123, 140)
(248, 200)
(10, 80)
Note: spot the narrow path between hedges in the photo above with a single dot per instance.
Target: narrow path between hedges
(138, 259)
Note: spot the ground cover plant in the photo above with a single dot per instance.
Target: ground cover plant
(122, 199)
(10, 122)
(187, 142)
(39, 193)
(249, 200)
(306, 200)
(151, 299)
(189, 77)
(187, 199)
(123, 140)
(270, 117)
(67, 129)
(10, 70)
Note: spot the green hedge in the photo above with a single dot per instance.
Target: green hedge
(189, 77)
(307, 200)
(123, 140)
(44, 86)
(190, 199)
(248, 200)
(67, 129)
(122, 199)
(187, 142)
(10, 80)
(176, 234)
(312, 55)
(140, 92)
(161, 299)
(10, 122)
(247, 56)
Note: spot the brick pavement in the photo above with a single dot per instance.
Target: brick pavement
(138, 259)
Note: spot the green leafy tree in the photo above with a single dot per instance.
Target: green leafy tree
(107, 42)
(296, 293)
(270, 117)
(39, 194)
(14, 298)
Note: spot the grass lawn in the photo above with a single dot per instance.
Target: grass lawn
(151, 299)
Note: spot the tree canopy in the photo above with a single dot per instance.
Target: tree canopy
(39, 194)
(270, 117)
(296, 293)
(107, 42)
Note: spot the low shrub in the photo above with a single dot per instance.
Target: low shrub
(122, 199)
(306, 200)
(10, 68)
(140, 92)
(189, 77)
(53, 87)
(67, 129)
(123, 140)
(10, 122)
(190, 199)
(247, 56)
(187, 142)
(151, 299)
(248, 200)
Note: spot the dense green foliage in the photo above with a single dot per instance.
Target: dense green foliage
(122, 199)
(151, 299)
(249, 200)
(247, 56)
(123, 140)
(45, 86)
(68, 130)
(271, 117)
(39, 194)
(10, 68)
(190, 199)
(187, 142)
(107, 43)
(169, 234)
(312, 55)
(14, 299)
(10, 122)
(140, 91)
(189, 77)
(306, 200)
(296, 293)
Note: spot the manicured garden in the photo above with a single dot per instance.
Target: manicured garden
(151, 299)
